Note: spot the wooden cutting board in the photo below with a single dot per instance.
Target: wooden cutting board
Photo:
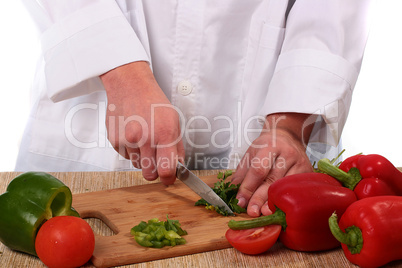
(123, 208)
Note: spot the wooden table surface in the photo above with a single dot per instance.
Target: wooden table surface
(80, 182)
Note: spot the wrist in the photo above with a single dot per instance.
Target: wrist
(121, 79)
(298, 125)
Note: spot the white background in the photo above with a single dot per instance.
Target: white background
(375, 118)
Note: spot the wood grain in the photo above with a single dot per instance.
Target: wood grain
(122, 208)
(85, 182)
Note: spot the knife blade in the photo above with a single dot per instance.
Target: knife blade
(200, 188)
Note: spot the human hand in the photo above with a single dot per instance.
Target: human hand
(142, 125)
(278, 151)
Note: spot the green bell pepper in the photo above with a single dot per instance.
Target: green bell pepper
(30, 199)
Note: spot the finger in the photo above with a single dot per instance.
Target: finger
(257, 200)
(148, 163)
(114, 138)
(180, 151)
(168, 156)
(166, 164)
(287, 164)
(241, 169)
(300, 167)
(279, 170)
(265, 210)
(135, 157)
(121, 150)
(258, 171)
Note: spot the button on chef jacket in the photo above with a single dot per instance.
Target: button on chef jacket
(224, 65)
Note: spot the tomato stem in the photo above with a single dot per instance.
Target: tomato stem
(277, 218)
(348, 179)
(352, 237)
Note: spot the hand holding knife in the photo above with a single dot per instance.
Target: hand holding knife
(200, 188)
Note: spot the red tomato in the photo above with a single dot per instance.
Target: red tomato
(254, 241)
(65, 241)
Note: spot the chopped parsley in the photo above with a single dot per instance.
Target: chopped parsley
(227, 191)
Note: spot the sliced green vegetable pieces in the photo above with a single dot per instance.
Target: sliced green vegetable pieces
(157, 234)
(174, 225)
(227, 191)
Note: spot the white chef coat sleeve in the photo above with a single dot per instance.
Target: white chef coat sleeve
(319, 63)
(82, 40)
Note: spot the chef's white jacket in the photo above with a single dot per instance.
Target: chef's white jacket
(223, 64)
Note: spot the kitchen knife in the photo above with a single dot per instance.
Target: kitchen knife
(200, 188)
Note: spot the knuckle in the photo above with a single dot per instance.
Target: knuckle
(292, 153)
(166, 173)
(167, 134)
(259, 171)
(257, 200)
(246, 191)
(304, 166)
(133, 136)
(149, 175)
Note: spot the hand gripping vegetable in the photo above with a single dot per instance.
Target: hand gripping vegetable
(302, 204)
(370, 231)
(368, 175)
(30, 199)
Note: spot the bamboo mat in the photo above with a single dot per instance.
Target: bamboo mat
(80, 182)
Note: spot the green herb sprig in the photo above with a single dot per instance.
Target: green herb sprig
(227, 191)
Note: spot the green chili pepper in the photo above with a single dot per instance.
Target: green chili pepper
(157, 234)
(30, 199)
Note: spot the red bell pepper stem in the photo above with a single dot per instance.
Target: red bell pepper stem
(352, 237)
(348, 179)
(307, 201)
(277, 218)
(372, 231)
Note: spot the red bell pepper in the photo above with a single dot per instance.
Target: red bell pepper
(302, 204)
(350, 162)
(368, 175)
(370, 231)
